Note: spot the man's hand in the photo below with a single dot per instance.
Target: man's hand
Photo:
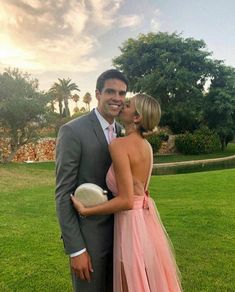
(82, 266)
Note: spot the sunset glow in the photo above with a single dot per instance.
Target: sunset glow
(7, 52)
(79, 39)
(15, 57)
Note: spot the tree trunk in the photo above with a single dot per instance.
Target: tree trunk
(222, 144)
(66, 105)
(52, 106)
(10, 156)
(60, 107)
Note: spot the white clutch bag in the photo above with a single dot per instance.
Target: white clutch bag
(90, 194)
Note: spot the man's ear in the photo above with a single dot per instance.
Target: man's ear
(97, 94)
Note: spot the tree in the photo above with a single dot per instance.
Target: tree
(22, 108)
(76, 98)
(87, 100)
(82, 109)
(219, 106)
(62, 92)
(52, 104)
(56, 97)
(171, 69)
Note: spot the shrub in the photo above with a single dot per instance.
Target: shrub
(155, 142)
(163, 136)
(201, 141)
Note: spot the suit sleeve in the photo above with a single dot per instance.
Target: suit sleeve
(68, 153)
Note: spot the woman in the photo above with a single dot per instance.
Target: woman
(142, 256)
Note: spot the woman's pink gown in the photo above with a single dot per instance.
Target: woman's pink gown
(143, 260)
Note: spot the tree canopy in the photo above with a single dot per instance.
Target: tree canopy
(22, 107)
(181, 74)
(219, 106)
(162, 55)
(87, 100)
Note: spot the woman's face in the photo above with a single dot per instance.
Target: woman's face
(128, 113)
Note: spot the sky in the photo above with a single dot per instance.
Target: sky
(78, 39)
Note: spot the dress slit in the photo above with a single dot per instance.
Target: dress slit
(124, 280)
(147, 277)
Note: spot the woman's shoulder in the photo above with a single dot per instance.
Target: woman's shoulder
(119, 144)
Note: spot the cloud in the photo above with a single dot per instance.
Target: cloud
(131, 21)
(103, 13)
(48, 20)
(155, 23)
(59, 34)
(63, 35)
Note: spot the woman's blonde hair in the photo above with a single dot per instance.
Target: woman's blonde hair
(150, 111)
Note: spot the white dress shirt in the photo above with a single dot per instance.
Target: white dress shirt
(104, 124)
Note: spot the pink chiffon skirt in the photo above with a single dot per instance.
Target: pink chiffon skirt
(143, 258)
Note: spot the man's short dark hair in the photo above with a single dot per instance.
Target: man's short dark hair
(110, 74)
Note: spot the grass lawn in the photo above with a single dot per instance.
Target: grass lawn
(230, 150)
(197, 210)
(32, 257)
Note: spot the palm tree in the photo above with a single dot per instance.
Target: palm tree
(55, 96)
(82, 109)
(75, 110)
(63, 90)
(76, 98)
(87, 100)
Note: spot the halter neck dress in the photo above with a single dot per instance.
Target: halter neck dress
(143, 259)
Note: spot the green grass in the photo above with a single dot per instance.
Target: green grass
(230, 150)
(197, 210)
(32, 257)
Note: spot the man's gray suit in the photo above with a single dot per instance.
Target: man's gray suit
(82, 156)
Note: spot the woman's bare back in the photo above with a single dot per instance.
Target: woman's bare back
(140, 159)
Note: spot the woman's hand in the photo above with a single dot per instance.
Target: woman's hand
(78, 206)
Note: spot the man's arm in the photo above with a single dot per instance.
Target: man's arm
(68, 153)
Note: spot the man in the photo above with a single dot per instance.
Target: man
(82, 156)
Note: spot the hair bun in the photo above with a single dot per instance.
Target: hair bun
(149, 133)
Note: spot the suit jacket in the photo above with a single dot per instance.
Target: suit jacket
(82, 156)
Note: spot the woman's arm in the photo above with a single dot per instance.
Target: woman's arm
(122, 169)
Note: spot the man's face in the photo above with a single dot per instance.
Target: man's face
(111, 98)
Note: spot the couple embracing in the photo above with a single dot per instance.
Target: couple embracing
(119, 245)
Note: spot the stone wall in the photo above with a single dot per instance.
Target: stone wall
(168, 147)
(42, 150)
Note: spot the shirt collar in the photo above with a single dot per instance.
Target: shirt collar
(104, 124)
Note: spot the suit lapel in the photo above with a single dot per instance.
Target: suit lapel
(98, 129)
